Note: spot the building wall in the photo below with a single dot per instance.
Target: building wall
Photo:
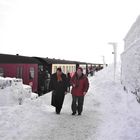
(130, 70)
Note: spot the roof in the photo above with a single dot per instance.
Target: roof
(56, 61)
(8, 58)
(61, 61)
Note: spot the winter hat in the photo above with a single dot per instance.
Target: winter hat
(80, 68)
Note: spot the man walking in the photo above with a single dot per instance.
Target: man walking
(80, 85)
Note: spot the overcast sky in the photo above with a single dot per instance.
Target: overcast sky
(66, 29)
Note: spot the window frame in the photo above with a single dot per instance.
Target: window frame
(31, 73)
(1, 72)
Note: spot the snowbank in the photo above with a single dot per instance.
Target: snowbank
(130, 75)
(13, 91)
(131, 68)
(120, 110)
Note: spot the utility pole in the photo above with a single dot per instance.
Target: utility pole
(104, 64)
(114, 44)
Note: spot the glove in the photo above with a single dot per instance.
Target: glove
(84, 93)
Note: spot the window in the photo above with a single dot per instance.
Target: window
(64, 69)
(19, 72)
(55, 68)
(67, 69)
(32, 73)
(40, 67)
(1, 72)
(74, 68)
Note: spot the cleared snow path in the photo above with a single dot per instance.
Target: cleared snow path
(37, 121)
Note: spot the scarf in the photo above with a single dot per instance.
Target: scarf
(59, 78)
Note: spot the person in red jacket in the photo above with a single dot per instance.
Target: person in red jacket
(80, 85)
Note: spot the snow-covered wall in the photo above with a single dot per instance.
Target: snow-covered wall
(133, 34)
(130, 70)
(14, 92)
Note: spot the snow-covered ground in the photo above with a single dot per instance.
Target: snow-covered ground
(109, 114)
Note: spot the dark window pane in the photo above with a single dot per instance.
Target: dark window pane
(1, 72)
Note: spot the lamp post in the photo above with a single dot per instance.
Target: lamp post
(114, 44)
(104, 64)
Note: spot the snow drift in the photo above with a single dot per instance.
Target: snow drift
(13, 91)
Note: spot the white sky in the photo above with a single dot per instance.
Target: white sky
(74, 29)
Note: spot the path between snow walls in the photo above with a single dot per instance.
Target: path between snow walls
(109, 114)
(36, 120)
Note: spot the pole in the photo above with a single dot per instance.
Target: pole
(115, 56)
(104, 65)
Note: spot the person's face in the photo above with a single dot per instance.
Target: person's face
(79, 72)
(59, 72)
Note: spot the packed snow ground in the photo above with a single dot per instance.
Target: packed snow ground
(109, 114)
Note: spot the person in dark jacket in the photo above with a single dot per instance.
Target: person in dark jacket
(58, 86)
(69, 80)
(80, 85)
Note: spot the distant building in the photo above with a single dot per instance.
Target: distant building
(130, 70)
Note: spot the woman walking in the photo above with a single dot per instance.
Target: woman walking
(58, 86)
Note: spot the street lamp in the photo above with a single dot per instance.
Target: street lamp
(114, 44)
(104, 64)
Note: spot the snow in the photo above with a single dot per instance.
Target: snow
(14, 92)
(131, 67)
(133, 34)
(109, 114)
(131, 59)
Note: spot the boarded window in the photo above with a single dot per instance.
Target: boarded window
(1, 72)
(32, 73)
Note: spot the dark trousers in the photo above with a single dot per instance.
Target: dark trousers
(59, 103)
(77, 103)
